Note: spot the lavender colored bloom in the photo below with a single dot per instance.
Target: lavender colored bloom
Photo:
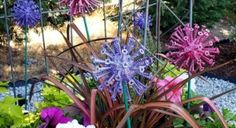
(207, 108)
(191, 48)
(122, 65)
(26, 13)
(81, 6)
(53, 116)
(139, 20)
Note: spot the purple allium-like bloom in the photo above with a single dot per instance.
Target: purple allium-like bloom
(207, 108)
(53, 116)
(81, 6)
(139, 20)
(192, 48)
(122, 65)
(26, 13)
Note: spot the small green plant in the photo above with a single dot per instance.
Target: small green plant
(53, 97)
(10, 114)
(3, 86)
(214, 123)
(211, 121)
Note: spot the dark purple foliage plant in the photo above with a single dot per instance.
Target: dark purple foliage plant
(153, 102)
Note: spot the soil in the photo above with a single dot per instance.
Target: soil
(227, 53)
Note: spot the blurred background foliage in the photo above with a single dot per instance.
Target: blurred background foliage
(207, 12)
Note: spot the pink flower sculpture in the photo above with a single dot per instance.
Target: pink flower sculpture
(192, 48)
(174, 95)
(80, 6)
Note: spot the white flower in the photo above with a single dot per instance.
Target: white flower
(73, 124)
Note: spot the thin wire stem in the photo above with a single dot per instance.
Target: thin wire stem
(191, 23)
(120, 18)
(146, 23)
(124, 86)
(9, 48)
(191, 13)
(105, 19)
(158, 28)
(43, 38)
(86, 28)
(133, 13)
(172, 12)
(26, 64)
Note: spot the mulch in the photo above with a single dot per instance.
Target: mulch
(227, 53)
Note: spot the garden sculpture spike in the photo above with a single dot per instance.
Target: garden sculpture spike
(120, 68)
(26, 14)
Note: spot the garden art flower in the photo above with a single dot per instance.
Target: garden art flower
(192, 48)
(139, 21)
(73, 124)
(122, 65)
(26, 13)
(53, 116)
(167, 83)
(81, 6)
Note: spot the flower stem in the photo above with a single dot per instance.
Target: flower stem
(126, 102)
(25, 65)
(86, 28)
(189, 93)
(119, 34)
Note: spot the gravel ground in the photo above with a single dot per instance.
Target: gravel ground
(20, 92)
(212, 86)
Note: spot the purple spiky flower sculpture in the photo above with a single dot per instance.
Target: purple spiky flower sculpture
(192, 48)
(139, 21)
(81, 7)
(26, 13)
(122, 65)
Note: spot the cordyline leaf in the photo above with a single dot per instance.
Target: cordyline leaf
(77, 86)
(211, 104)
(80, 65)
(72, 51)
(212, 98)
(92, 108)
(82, 43)
(157, 105)
(78, 103)
(76, 29)
(33, 82)
(110, 112)
(223, 93)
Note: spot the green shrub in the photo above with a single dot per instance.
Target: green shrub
(205, 12)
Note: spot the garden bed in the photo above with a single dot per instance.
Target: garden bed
(227, 53)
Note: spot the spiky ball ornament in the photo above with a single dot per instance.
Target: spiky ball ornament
(26, 13)
(122, 65)
(80, 7)
(192, 48)
(139, 21)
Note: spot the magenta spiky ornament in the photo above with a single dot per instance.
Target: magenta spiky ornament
(192, 48)
(80, 7)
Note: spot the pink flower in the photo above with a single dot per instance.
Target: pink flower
(174, 95)
(80, 6)
(53, 116)
(191, 48)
